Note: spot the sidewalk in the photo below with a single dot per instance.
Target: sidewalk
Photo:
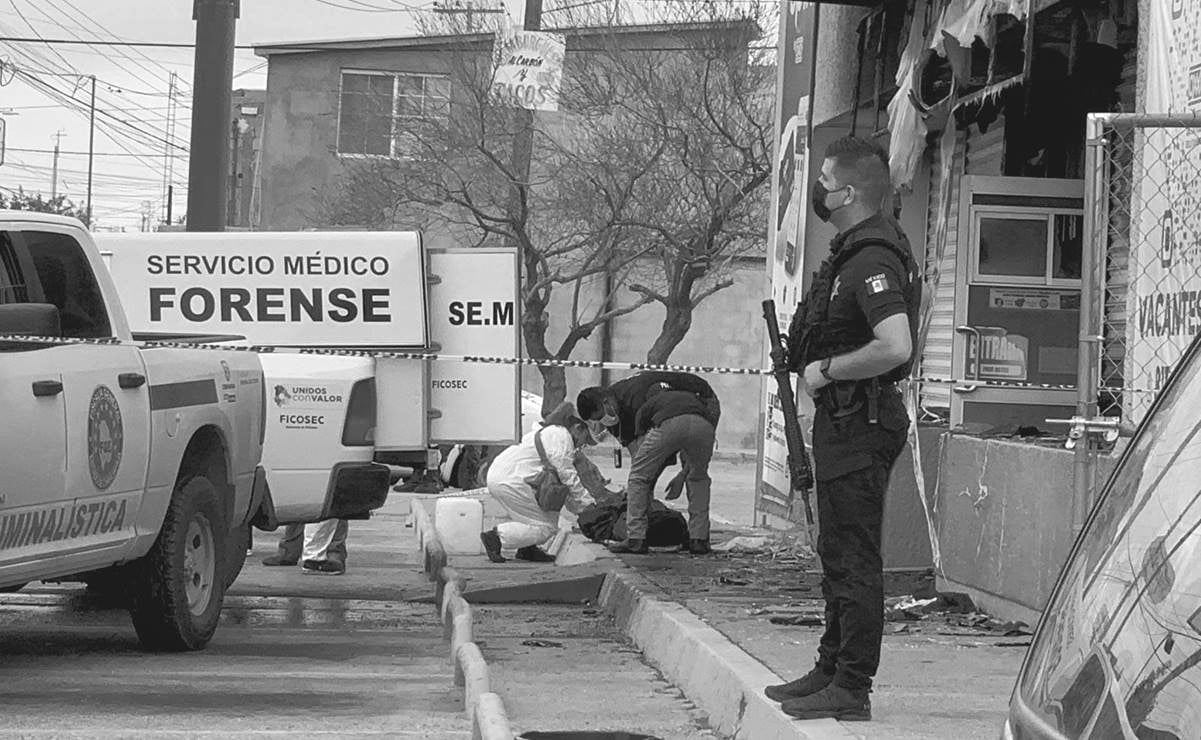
(935, 681)
(939, 677)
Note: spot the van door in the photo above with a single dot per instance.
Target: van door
(32, 424)
(106, 395)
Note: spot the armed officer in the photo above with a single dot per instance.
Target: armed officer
(852, 339)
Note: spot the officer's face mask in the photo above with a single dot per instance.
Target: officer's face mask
(820, 195)
(610, 417)
(596, 428)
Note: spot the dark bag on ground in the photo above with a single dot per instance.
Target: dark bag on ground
(665, 527)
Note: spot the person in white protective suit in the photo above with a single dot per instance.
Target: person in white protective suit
(320, 548)
(562, 434)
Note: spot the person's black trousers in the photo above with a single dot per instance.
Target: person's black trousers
(853, 460)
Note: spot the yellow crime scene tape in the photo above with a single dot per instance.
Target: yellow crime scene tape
(492, 360)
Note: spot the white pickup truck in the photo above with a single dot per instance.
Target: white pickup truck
(121, 463)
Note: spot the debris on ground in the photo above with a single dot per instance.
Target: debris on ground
(542, 643)
(953, 610)
(742, 544)
(798, 620)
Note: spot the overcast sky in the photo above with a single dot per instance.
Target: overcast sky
(133, 86)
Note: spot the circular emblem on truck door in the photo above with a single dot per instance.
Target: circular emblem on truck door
(105, 437)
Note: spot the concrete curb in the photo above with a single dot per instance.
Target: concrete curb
(489, 721)
(717, 675)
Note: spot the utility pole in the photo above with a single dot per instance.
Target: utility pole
(168, 145)
(91, 149)
(235, 143)
(212, 93)
(523, 142)
(58, 137)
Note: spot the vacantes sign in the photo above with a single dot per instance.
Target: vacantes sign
(303, 289)
(1165, 253)
(528, 69)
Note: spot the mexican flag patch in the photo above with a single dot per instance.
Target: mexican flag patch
(877, 284)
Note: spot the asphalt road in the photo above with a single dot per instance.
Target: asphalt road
(311, 656)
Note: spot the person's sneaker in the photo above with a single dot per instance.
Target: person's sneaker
(323, 567)
(535, 554)
(273, 560)
(832, 702)
(699, 547)
(630, 547)
(810, 683)
(491, 540)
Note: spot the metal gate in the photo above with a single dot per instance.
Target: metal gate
(1141, 274)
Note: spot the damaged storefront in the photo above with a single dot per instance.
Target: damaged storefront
(989, 107)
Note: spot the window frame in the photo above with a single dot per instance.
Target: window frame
(394, 151)
(1047, 216)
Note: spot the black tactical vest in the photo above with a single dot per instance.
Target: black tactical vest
(810, 338)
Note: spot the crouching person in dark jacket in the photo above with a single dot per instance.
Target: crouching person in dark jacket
(670, 422)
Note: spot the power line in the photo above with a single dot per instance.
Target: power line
(79, 103)
(80, 154)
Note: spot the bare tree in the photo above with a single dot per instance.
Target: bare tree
(645, 186)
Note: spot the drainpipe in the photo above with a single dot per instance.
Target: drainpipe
(1092, 294)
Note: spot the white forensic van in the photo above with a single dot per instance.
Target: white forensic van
(128, 465)
(338, 423)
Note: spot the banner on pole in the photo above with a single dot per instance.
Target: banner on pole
(528, 69)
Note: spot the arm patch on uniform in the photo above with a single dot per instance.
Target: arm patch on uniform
(877, 284)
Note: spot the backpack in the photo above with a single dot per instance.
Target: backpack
(665, 527)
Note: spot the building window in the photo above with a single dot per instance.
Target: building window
(380, 111)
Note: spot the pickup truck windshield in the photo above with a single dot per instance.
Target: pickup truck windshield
(1121, 643)
(45, 267)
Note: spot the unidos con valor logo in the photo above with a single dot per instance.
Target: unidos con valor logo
(106, 437)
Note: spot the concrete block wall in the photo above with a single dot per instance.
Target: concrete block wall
(1004, 521)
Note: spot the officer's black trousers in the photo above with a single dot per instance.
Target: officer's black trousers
(853, 460)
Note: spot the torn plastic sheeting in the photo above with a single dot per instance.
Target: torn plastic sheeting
(961, 22)
(966, 20)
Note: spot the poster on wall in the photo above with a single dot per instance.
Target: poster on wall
(786, 226)
(1165, 254)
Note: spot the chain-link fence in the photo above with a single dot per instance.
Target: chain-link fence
(1144, 201)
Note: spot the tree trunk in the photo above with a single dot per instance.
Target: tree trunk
(533, 331)
(676, 324)
(554, 388)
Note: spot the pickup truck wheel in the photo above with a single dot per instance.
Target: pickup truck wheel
(236, 545)
(177, 600)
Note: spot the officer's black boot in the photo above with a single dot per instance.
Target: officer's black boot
(832, 702)
(810, 683)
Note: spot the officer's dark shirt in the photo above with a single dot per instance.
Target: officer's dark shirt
(667, 405)
(869, 287)
(631, 394)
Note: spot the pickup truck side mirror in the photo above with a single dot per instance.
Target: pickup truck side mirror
(30, 319)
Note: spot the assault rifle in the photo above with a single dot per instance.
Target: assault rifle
(799, 470)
